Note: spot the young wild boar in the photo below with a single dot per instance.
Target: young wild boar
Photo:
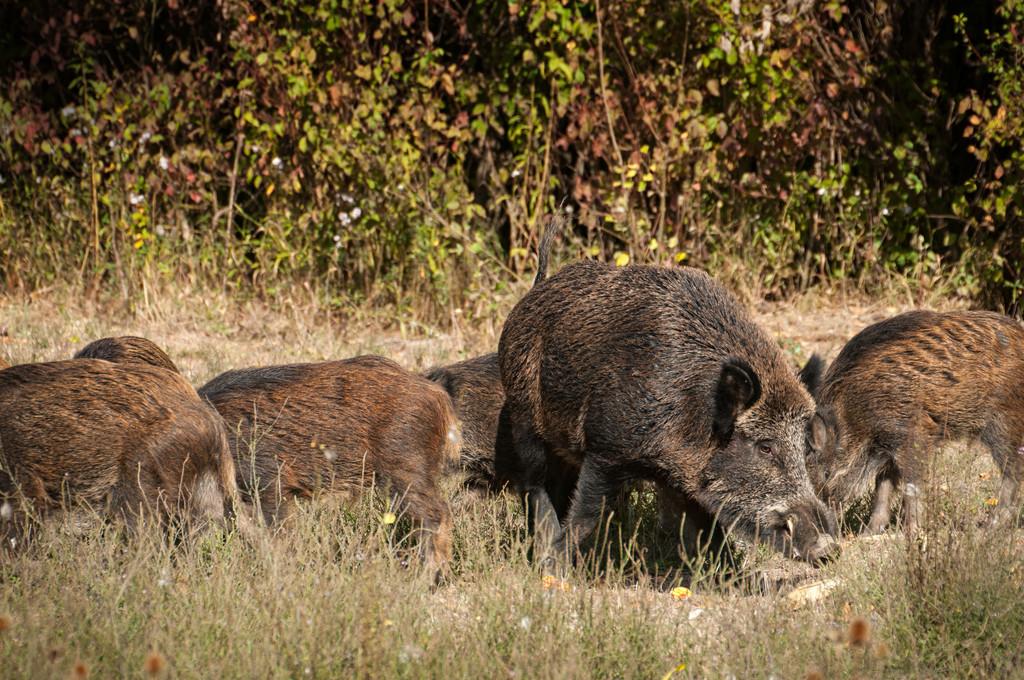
(902, 386)
(647, 372)
(340, 426)
(127, 349)
(131, 440)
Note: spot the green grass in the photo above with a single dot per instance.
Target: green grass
(337, 593)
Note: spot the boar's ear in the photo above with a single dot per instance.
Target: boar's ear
(810, 374)
(441, 376)
(819, 432)
(737, 389)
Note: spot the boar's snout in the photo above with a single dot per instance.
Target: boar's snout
(824, 550)
(807, 531)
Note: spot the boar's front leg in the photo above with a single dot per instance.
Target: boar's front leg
(881, 512)
(596, 487)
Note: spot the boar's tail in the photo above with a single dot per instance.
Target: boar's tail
(233, 509)
(452, 434)
(551, 230)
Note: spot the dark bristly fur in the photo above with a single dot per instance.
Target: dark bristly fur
(342, 426)
(902, 386)
(128, 439)
(127, 349)
(654, 373)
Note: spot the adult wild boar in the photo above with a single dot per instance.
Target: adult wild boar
(341, 426)
(902, 386)
(127, 349)
(655, 373)
(131, 440)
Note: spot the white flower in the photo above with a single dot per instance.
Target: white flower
(337, 238)
(356, 212)
(75, 132)
(277, 163)
(410, 653)
(164, 163)
(516, 172)
(345, 220)
(112, 144)
(67, 111)
(401, 187)
(348, 199)
(885, 212)
(525, 623)
(136, 199)
(145, 137)
(821, 191)
(569, 210)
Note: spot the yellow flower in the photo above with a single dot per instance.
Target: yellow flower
(992, 501)
(554, 583)
(681, 667)
(680, 593)
(389, 518)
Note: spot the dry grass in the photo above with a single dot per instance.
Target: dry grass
(332, 595)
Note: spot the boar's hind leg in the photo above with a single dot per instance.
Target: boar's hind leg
(596, 487)
(1007, 448)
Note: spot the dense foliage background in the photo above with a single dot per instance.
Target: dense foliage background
(408, 152)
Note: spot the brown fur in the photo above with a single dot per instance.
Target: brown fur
(130, 441)
(652, 373)
(3, 364)
(127, 349)
(901, 387)
(341, 426)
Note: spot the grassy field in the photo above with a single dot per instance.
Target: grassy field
(334, 595)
